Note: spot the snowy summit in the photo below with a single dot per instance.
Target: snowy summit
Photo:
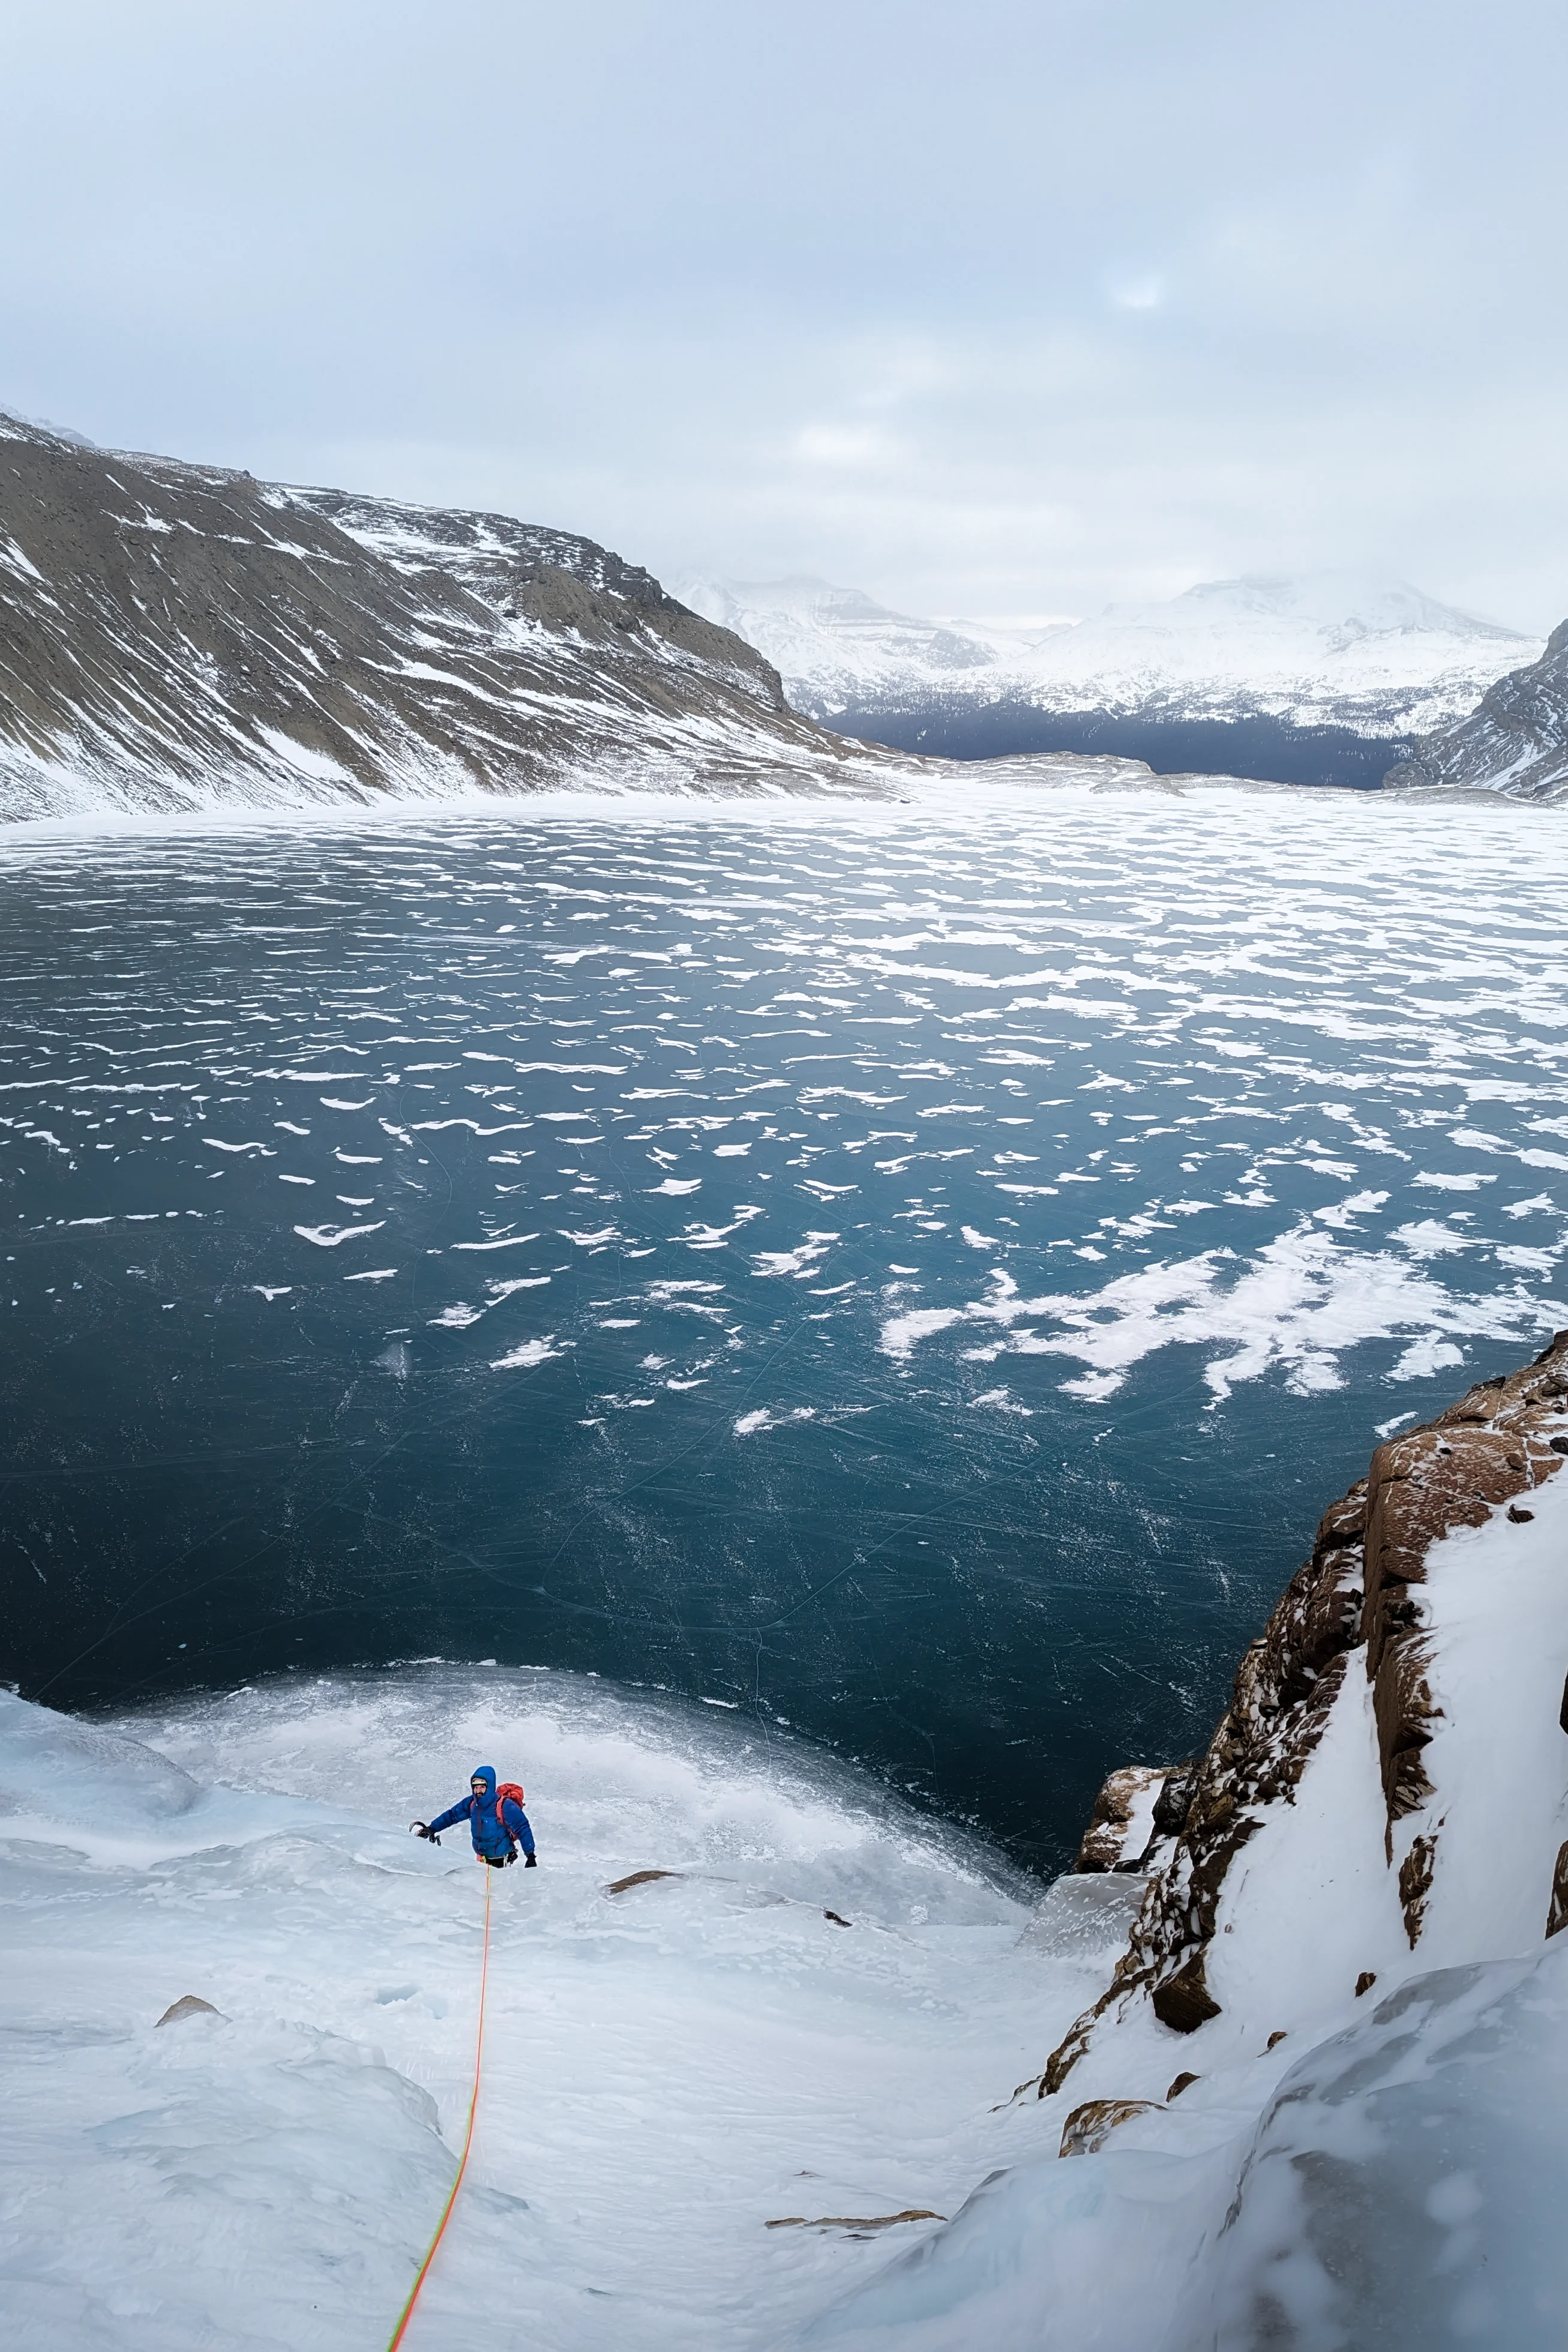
(1353, 649)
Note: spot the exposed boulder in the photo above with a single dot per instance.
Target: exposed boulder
(1122, 1826)
(190, 2004)
(859, 2224)
(640, 1878)
(1088, 2127)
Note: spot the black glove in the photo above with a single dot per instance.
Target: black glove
(511, 1856)
(419, 1829)
(532, 1862)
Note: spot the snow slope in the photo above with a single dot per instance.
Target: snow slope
(1352, 649)
(668, 2069)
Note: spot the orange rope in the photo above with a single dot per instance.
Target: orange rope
(407, 2313)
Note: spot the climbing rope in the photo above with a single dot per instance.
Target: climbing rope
(407, 2312)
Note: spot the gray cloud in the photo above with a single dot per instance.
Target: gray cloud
(1007, 307)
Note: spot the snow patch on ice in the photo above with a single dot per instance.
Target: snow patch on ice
(1296, 1307)
(528, 1353)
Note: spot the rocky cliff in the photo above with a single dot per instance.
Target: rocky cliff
(1374, 1627)
(1515, 741)
(177, 636)
(1318, 2107)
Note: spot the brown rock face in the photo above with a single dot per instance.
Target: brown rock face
(1105, 1838)
(1183, 2001)
(1415, 1885)
(1355, 1593)
(1088, 2127)
(1482, 1451)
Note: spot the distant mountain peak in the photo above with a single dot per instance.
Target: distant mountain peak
(1353, 648)
(1363, 602)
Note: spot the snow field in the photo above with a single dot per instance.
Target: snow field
(667, 2070)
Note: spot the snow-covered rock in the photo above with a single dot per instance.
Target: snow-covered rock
(1130, 1813)
(1317, 2107)
(1394, 1743)
(1515, 741)
(1343, 649)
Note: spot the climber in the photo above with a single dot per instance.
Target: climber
(495, 1816)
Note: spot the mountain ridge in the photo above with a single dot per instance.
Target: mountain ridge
(1350, 650)
(1514, 742)
(176, 636)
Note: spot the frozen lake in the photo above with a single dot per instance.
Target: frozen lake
(912, 1275)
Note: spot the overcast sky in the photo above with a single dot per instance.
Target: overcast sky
(989, 307)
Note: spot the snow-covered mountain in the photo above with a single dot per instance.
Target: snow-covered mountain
(1515, 741)
(837, 647)
(1349, 650)
(177, 636)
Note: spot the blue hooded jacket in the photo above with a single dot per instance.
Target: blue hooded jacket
(493, 1830)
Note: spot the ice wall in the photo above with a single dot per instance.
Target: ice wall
(744, 1987)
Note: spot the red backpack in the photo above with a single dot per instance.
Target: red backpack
(514, 1790)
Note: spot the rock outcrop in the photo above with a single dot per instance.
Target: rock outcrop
(1514, 742)
(1362, 1637)
(190, 2004)
(1088, 2127)
(1132, 1809)
(1319, 2103)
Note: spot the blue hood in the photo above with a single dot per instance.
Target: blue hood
(486, 1772)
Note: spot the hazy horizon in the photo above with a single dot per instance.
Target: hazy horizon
(1024, 314)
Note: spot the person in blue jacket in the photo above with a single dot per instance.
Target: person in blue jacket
(497, 1830)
